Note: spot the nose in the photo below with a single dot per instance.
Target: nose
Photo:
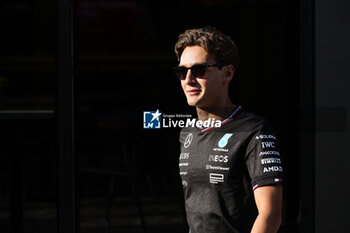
(190, 78)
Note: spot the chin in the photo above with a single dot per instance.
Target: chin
(191, 103)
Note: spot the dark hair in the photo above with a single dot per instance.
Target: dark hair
(218, 45)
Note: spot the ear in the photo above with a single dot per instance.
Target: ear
(229, 72)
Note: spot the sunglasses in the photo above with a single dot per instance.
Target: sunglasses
(198, 70)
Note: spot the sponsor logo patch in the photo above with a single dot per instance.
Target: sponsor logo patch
(273, 169)
(224, 140)
(270, 152)
(184, 156)
(268, 144)
(265, 136)
(188, 140)
(215, 178)
(218, 158)
(270, 160)
(208, 166)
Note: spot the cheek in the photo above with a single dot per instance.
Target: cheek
(212, 87)
(183, 85)
(208, 85)
(216, 82)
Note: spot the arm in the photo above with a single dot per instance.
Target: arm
(269, 203)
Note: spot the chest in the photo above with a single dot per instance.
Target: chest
(213, 158)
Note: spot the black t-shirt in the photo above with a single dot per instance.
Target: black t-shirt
(221, 167)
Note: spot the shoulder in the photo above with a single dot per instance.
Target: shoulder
(248, 121)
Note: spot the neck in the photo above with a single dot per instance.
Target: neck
(217, 112)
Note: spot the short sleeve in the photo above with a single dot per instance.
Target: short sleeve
(263, 158)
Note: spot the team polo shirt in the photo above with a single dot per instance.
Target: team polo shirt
(220, 167)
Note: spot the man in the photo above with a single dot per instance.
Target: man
(232, 175)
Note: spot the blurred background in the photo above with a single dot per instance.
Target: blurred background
(76, 76)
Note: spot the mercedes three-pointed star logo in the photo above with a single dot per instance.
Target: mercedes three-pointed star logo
(188, 140)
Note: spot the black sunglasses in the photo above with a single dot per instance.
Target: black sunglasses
(197, 70)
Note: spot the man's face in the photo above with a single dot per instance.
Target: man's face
(206, 91)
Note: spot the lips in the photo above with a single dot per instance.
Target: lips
(193, 91)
